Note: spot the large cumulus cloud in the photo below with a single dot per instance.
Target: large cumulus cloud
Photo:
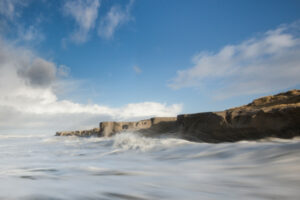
(28, 102)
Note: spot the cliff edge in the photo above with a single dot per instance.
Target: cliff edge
(270, 116)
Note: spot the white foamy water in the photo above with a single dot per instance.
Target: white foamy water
(129, 166)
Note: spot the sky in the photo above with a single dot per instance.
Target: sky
(69, 64)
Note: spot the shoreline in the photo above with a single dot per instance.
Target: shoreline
(270, 116)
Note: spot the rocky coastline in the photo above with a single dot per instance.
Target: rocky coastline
(270, 116)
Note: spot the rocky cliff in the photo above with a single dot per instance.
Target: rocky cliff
(153, 125)
(156, 125)
(271, 116)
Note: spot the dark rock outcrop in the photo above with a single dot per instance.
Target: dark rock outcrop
(271, 116)
(82, 133)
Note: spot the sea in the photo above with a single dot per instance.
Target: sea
(131, 166)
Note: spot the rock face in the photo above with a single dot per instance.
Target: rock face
(271, 116)
(153, 125)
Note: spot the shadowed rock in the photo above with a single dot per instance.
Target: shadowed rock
(271, 116)
(82, 133)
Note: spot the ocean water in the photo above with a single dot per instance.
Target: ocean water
(129, 166)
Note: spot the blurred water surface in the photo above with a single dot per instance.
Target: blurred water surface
(129, 166)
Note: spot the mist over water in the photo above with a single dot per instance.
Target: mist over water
(129, 166)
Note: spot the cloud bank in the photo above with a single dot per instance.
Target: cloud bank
(258, 65)
(28, 102)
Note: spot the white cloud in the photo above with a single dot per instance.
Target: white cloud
(63, 71)
(9, 8)
(137, 69)
(30, 34)
(258, 65)
(11, 24)
(28, 102)
(85, 13)
(116, 17)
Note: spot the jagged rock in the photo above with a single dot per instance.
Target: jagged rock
(271, 116)
(82, 133)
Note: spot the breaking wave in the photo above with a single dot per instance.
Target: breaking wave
(132, 166)
(135, 141)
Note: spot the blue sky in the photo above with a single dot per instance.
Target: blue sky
(87, 60)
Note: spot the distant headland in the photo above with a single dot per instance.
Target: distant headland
(270, 116)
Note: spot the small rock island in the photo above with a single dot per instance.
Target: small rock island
(270, 116)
